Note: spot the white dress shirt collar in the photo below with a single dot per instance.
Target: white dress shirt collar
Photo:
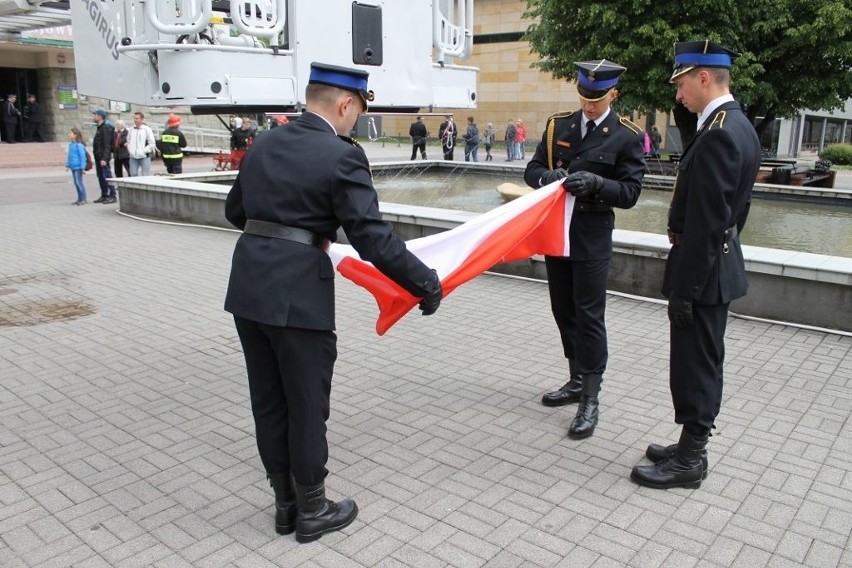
(712, 106)
(333, 129)
(597, 121)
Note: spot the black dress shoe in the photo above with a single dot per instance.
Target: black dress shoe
(657, 453)
(586, 420)
(99, 200)
(570, 392)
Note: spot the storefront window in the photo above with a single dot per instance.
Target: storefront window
(812, 133)
(833, 131)
(769, 137)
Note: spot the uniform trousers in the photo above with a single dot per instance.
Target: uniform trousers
(578, 301)
(173, 165)
(697, 354)
(289, 375)
(419, 144)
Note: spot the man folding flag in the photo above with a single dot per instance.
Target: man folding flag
(536, 223)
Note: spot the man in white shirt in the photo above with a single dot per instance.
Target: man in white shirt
(140, 145)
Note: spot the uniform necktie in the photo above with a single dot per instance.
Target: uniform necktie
(590, 127)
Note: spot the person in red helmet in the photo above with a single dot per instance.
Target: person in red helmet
(173, 142)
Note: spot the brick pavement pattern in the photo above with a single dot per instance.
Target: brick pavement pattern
(127, 438)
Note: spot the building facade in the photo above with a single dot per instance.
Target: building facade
(41, 61)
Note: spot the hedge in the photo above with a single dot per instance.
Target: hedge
(840, 154)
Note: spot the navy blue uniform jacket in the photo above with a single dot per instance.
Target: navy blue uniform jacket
(613, 151)
(303, 175)
(712, 193)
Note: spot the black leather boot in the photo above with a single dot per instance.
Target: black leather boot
(285, 502)
(682, 469)
(586, 420)
(657, 453)
(318, 515)
(570, 392)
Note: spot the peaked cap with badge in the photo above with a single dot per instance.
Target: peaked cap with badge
(597, 78)
(702, 53)
(346, 78)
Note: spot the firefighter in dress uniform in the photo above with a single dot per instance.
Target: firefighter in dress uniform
(296, 187)
(598, 155)
(705, 270)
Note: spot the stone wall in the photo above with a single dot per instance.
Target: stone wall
(783, 285)
(57, 122)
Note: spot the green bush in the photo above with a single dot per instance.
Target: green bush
(840, 154)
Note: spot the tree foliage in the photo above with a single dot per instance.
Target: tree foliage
(796, 54)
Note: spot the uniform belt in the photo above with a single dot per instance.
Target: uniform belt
(283, 232)
(677, 238)
(592, 207)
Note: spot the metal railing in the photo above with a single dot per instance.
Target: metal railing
(201, 140)
(452, 30)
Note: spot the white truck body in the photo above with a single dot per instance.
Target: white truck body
(256, 54)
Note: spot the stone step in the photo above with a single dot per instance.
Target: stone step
(32, 154)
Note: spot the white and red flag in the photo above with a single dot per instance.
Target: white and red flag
(536, 223)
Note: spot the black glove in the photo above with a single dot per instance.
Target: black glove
(430, 302)
(551, 176)
(680, 311)
(583, 184)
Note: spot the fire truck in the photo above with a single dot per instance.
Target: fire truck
(252, 56)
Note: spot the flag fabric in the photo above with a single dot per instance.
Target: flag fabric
(536, 223)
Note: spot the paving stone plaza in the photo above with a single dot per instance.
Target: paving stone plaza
(127, 440)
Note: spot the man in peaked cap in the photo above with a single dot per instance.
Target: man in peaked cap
(296, 187)
(598, 156)
(705, 269)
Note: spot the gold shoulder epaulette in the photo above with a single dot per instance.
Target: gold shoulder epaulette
(565, 114)
(355, 143)
(550, 133)
(718, 120)
(349, 140)
(630, 125)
